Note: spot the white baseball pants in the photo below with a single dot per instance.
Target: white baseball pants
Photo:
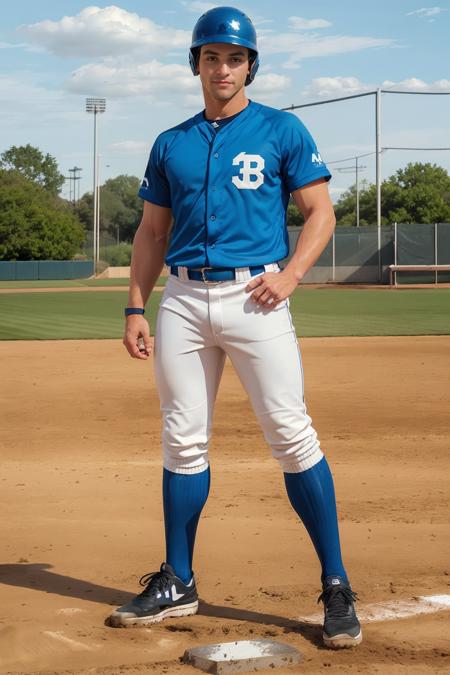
(198, 326)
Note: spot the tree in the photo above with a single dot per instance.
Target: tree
(294, 217)
(31, 163)
(34, 224)
(120, 207)
(419, 193)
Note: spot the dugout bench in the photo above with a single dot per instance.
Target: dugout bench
(393, 269)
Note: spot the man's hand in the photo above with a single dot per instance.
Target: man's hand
(271, 288)
(137, 337)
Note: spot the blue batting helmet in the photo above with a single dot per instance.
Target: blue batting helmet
(228, 25)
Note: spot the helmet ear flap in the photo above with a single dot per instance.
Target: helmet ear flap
(254, 65)
(194, 54)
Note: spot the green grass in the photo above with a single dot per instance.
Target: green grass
(333, 312)
(70, 283)
(58, 316)
(320, 312)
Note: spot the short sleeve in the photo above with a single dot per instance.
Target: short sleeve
(155, 187)
(301, 161)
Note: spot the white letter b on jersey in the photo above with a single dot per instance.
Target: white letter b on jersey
(251, 172)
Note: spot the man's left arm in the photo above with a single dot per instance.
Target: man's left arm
(314, 202)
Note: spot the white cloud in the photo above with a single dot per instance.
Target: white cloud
(100, 32)
(419, 136)
(415, 84)
(194, 101)
(335, 87)
(298, 23)
(117, 80)
(311, 45)
(161, 82)
(267, 87)
(12, 45)
(128, 147)
(158, 81)
(64, 128)
(198, 6)
(261, 21)
(21, 94)
(426, 12)
(21, 45)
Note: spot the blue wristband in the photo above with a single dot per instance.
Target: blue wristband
(134, 310)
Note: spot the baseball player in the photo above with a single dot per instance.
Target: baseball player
(216, 190)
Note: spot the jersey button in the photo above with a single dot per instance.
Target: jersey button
(213, 246)
(216, 154)
(212, 217)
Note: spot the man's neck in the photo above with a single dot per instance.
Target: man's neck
(217, 110)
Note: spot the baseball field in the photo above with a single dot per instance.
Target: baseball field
(81, 478)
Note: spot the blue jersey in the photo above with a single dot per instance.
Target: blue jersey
(229, 189)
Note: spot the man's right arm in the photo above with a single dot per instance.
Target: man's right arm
(147, 261)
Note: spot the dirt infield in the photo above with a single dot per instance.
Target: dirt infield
(82, 518)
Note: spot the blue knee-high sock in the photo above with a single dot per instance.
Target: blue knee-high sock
(311, 494)
(184, 496)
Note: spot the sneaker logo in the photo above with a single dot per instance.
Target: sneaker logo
(175, 595)
(335, 582)
(166, 594)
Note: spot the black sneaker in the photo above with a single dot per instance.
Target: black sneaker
(165, 595)
(341, 626)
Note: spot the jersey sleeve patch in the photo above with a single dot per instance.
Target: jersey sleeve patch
(302, 163)
(155, 187)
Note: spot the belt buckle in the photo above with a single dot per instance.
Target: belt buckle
(204, 279)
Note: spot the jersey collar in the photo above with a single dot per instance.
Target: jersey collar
(207, 131)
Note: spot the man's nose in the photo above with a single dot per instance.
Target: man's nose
(223, 68)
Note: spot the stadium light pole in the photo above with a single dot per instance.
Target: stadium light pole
(96, 106)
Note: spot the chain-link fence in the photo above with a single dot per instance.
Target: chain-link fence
(111, 253)
(353, 254)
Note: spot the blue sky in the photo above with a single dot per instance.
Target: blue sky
(53, 55)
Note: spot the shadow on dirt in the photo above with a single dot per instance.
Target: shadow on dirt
(40, 577)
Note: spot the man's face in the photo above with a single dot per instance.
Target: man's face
(223, 69)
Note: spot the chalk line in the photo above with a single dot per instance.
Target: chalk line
(73, 644)
(394, 609)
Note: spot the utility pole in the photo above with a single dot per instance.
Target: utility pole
(74, 177)
(357, 191)
(378, 172)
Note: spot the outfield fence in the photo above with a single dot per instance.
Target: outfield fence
(32, 270)
(351, 256)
